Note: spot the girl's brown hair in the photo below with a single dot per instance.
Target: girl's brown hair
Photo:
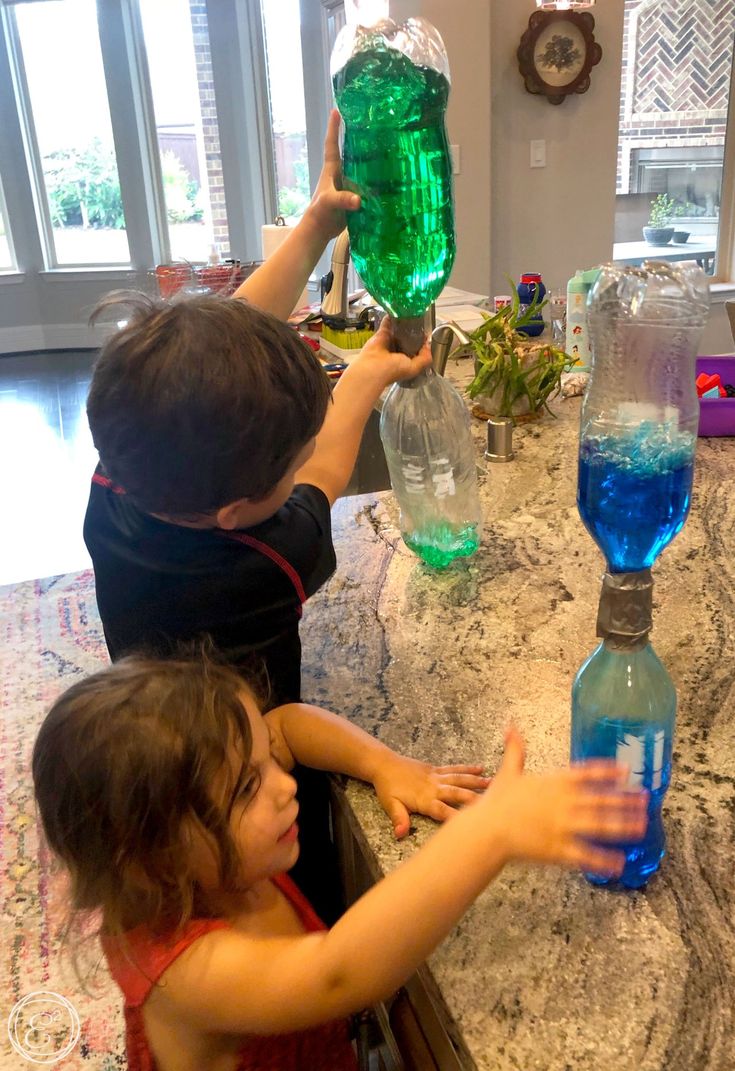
(125, 764)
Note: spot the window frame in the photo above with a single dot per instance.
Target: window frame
(32, 150)
(725, 258)
(12, 267)
(240, 83)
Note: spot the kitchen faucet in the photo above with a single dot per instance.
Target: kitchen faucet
(441, 343)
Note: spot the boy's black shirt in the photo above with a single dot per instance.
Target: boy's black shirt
(159, 584)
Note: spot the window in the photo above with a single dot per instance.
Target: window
(282, 30)
(676, 80)
(143, 131)
(70, 134)
(180, 71)
(7, 259)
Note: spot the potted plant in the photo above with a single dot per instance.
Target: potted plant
(663, 210)
(514, 375)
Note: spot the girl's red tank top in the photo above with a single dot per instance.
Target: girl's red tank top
(323, 1048)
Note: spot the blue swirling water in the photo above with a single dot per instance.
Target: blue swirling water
(634, 492)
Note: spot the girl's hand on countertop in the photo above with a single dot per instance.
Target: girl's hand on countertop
(406, 786)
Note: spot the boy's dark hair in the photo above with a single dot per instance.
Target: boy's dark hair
(201, 402)
(123, 761)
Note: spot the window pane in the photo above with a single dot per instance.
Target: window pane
(66, 85)
(180, 68)
(282, 25)
(677, 62)
(7, 260)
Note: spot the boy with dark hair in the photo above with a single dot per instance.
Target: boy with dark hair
(221, 453)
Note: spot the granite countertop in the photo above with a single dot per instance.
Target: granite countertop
(546, 972)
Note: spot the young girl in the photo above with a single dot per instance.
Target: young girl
(167, 796)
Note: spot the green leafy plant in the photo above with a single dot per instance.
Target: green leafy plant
(180, 190)
(509, 368)
(663, 210)
(83, 187)
(292, 200)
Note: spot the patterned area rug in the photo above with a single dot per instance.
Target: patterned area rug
(51, 636)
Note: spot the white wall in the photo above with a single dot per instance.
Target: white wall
(511, 217)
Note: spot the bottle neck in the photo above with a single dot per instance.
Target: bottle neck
(625, 612)
(418, 381)
(408, 334)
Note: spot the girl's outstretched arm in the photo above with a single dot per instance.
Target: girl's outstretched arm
(277, 284)
(235, 983)
(404, 786)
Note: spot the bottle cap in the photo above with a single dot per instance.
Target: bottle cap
(531, 277)
(624, 615)
(499, 439)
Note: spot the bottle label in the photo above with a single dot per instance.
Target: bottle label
(442, 478)
(631, 752)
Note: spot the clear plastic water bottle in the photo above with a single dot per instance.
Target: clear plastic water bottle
(391, 84)
(640, 413)
(425, 431)
(624, 708)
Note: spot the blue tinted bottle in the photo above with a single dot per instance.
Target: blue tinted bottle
(638, 428)
(624, 708)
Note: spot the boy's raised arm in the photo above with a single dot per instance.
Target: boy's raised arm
(277, 284)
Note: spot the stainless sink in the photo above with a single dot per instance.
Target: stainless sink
(371, 471)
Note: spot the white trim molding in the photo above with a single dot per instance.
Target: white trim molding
(53, 337)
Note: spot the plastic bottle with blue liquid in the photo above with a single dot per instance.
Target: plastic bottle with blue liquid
(636, 462)
(624, 708)
(640, 412)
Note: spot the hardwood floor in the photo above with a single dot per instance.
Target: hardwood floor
(46, 461)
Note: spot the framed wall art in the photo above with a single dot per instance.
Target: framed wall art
(557, 52)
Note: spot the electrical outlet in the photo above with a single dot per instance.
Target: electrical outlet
(456, 159)
(538, 153)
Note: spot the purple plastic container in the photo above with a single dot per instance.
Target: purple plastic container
(717, 415)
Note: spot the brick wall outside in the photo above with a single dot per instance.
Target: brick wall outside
(210, 129)
(677, 60)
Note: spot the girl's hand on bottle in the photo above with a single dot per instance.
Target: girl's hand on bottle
(406, 786)
(387, 363)
(327, 208)
(554, 817)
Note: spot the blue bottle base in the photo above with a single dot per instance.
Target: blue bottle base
(641, 860)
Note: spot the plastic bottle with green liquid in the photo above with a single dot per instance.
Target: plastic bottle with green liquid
(391, 84)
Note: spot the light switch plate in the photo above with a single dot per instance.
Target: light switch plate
(538, 153)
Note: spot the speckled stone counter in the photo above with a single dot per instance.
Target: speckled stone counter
(546, 972)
